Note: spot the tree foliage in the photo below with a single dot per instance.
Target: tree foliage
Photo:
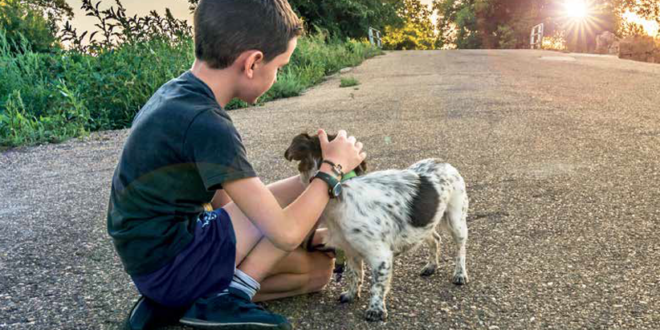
(417, 32)
(55, 11)
(458, 22)
(631, 29)
(348, 18)
(507, 23)
(344, 18)
(115, 27)
(649, 9)
(25, 27)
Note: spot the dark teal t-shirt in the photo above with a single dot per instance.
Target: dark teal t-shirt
(181, 148)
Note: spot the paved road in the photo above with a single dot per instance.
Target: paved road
(560, 152)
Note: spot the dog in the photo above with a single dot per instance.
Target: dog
(385, 213)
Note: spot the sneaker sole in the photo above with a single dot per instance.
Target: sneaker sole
(238, 326)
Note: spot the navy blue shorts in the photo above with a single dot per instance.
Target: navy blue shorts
(204, 267)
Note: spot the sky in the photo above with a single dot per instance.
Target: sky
(141, 7)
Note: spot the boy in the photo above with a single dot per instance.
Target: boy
(200, 264)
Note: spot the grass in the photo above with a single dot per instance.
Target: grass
(348, 82)
(57, 96)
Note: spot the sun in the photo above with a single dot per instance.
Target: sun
(576, 9)
(579, 19)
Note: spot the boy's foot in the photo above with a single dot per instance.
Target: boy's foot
(147, 314)
(232, 310)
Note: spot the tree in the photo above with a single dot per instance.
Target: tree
(507, 37)
(417, 31)
(25, 26)
(649, 9)
(631, 29)
(348, 18)
(459, 22)
(344, 18)
(55, 11)
(507, 23)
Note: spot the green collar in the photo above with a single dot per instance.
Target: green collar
(348, 176)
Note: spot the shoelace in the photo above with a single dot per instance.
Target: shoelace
(246, 307)
(242, 305)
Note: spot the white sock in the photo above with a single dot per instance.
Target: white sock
(245, 283)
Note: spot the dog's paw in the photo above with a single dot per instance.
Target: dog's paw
(428, 270)
(460, 279)
(347, 297)
(375, 315)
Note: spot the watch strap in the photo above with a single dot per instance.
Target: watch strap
(337, 168)
(330, 180)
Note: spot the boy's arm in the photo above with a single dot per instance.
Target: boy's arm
(285, 228)
(220, 199)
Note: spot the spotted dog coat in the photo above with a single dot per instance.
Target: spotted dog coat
(383, 214)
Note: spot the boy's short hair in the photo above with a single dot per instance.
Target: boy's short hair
(226, 28)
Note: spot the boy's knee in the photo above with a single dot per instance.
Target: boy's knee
(321, 275)
(319, 280)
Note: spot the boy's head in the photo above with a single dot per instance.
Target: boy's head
(260, 34)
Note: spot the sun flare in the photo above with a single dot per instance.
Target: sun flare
(576, 9)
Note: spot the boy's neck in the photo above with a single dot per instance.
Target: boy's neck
(221, 82)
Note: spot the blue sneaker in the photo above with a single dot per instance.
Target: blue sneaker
(147, 314)
(232, 310)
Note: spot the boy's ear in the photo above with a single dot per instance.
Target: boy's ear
(250, 59)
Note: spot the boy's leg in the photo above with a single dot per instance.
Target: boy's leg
(298, 273)
(280, 273)
(146, 314)
(247, 235)
(256, 259)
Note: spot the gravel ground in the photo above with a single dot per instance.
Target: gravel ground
(561, 157)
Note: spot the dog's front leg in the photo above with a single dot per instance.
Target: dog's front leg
(354, 276)
(381, 273)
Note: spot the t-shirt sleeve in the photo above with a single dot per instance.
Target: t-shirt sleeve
(213, 144)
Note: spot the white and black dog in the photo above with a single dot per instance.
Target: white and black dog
(385, 213)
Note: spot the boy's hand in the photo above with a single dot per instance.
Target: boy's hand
(342, 150)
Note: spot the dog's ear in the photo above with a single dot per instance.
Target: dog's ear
(303, 148)
(300, 147)
(361, 169)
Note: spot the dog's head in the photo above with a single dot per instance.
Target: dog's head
(306, 150)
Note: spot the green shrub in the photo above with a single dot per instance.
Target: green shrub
(68, 119)
(348, 82)
(52, 97)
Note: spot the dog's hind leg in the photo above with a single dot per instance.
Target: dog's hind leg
(456, 218)
(433, 242)
(354, 276)
(381, 276)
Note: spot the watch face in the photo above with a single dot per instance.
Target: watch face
(336, 190)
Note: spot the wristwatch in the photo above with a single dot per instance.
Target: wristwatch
(334, 185)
